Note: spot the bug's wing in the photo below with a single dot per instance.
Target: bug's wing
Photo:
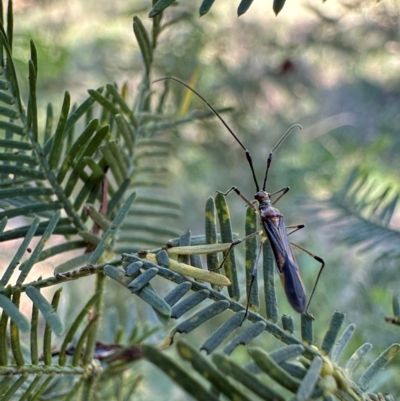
(286, 264)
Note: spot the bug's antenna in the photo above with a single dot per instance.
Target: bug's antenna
(269, 160)
(248, 156)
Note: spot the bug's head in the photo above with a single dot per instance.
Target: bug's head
(262, 196)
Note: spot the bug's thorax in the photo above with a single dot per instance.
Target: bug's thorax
(267, 211)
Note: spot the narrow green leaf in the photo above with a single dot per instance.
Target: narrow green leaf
(20, 253)
(184, 240)
(92, 185)
(80, 143)
(122, 104)
(278, 5)
(287, 323)
(205, 7)
(74, 328)
(7, 98)
(396, 305)
(64, 228)
(10, 24)
(178, 373)
(25, 172)
(177, 293)
(13, 312)
(48, 129)
(331, 334)
(114, 163)
(103, 101)
(272, 369)
(33, 55)
(379, 363)
(46, 308)
(31, 209)
(269, 283)
(32, 106)
(58, 249)
(42, 388)
(4, 338)
(17, 191)
(133, 269)
(25, 396)
(307, 334)
(196, 261)
(143, 279)
(47, 357)
(310, 380)
(5, 383)
(161, 308)
(12, 75)
(72, 395)
(14, 388)
(244, 377)
(98, 218)
(223, 332)
(117, 197)
(286, 353)
(82, 339)
(89, 150)
(208, 370)
(356, 357)
(189, 303)
(159, 7)
(110, 233)
(245, 336)
(116, 274)
(143, 38)
(3, 224)
(19, 159)
(251, 253)
(15, 129)
(34, 336)
(14, 335)
(156, 28)
(39, 247)
(126, 132)
(73, 263)
(163, 97)
(83, 109)
(57, 142)
(342, 343)
(9, 113)
(227, 236)
(201, 317)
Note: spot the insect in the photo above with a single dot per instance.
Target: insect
(272, 224)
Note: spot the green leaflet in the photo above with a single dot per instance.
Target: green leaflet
(46, 308)
(13, 312)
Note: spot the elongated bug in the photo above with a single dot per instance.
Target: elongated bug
(272, 224)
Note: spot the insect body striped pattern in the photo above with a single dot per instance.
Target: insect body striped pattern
(272, 224)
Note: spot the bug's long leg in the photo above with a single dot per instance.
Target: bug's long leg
(233, 244)
(296, 228)
(282, 192)
(318, 259)
(253, 277)
(236, 190)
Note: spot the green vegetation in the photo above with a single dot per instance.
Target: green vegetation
(89, 178)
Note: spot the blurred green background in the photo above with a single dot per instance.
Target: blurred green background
(334, 68)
